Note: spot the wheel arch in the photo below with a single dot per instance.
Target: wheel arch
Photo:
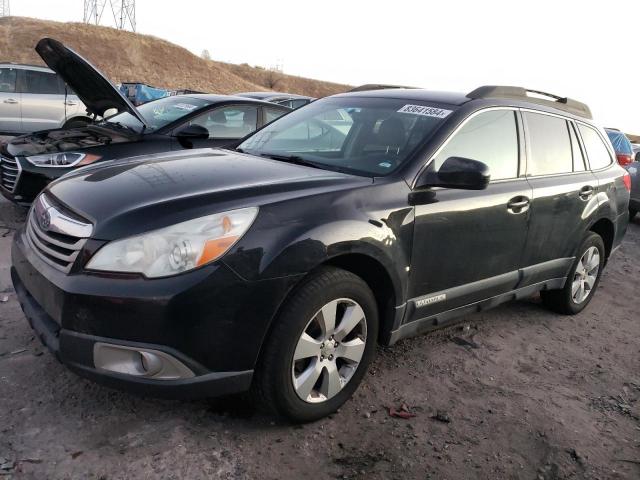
(605, 228)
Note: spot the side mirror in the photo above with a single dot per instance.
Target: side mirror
(192, 132)
(458, 172)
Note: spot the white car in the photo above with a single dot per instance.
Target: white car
(35, 98)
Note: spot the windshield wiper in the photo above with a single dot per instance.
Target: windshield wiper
(295, 159)
(118, 124)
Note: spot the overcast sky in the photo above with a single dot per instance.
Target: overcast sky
(581, 49)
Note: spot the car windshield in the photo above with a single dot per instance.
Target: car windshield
(159, 113)
(364, 136)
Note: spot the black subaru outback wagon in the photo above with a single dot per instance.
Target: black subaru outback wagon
(362, 218)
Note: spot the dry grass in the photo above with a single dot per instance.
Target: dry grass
(127, 56)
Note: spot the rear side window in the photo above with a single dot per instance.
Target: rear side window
(597, 152)
(270, 114)
(549, 145)
(41, 82)
(490, 137)
(7, 80)
(578, 157)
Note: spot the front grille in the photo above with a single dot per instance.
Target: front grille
(57, 238)
(9, 173)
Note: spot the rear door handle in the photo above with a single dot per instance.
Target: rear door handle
(518, 204)
(586, 192)
(70, 103)
(11, 100)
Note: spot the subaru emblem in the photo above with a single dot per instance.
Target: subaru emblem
(45, 220)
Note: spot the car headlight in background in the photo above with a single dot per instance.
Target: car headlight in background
(177, 248)
(66, 159)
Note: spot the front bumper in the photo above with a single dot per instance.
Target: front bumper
(211, 320)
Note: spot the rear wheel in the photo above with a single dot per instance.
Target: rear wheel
(320, 348)
(582, 280)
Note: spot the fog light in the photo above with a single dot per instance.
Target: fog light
(139, 362)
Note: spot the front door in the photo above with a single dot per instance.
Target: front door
(10, 105)
(468, 244)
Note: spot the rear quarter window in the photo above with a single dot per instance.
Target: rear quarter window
(597, 152)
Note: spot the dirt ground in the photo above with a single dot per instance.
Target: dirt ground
(513, 393)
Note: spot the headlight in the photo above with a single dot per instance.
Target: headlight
(66, 159)
(177, 248)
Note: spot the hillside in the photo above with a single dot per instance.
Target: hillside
(128, 56)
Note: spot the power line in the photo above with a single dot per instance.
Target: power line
(4, 8)
(123, 11)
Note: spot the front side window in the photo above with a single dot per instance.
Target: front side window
(489, 137)
(549, 145)
(7, 80)
(364, 136)
(41, 82)
(597, 152)
(229, 122)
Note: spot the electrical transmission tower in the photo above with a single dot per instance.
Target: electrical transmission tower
(124, 12)
(4, 8)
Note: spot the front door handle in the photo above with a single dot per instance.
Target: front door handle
(586, 192)
(70, 103)
(11, 100)
(518, 204)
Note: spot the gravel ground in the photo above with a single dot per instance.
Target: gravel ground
(513, 393)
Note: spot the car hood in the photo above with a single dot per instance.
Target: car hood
(126, 197)
(91, 86)
(65, 140)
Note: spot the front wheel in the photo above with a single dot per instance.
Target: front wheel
(319, 350)
(632, 213)
(582, 280)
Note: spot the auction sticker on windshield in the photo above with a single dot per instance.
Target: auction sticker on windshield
(425, 111)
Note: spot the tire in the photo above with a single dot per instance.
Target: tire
(274, 387)
(569, 300)
(75, 123)
(632, 214)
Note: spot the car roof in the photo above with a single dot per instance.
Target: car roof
(270, 95)
(486, 96)
(215, 98)
(26, 66)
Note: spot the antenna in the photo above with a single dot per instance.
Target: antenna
(4, 8)
(123, 11)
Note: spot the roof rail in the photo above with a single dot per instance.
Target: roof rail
(561, 103)
(375, 86)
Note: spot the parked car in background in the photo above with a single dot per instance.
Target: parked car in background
(280, 265)
(139, 93)
(629, 159)
(621, 145)
(35, 98)
(29, 162)
(290, 100)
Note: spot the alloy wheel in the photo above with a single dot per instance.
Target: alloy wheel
(586, 275)
(329, 350)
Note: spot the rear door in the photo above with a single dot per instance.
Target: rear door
(564, 193)
(42, 101)
(10, 101)
(468, 243)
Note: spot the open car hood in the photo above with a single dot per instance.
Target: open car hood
(91, 86)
